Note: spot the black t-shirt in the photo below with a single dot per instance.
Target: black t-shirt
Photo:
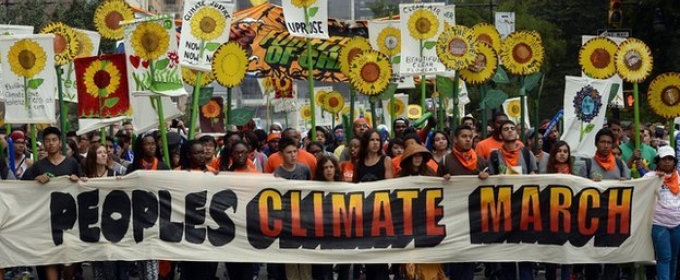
(69, 166)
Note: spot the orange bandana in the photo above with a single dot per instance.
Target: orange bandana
(562, 168)
(607, 162)
(511, 157)
(148, 166)
(671, 181)
(468, 158)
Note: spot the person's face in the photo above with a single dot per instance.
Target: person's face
(360, 128)
(289, 154)
(645, 136)
(320, 137)
(239, 155)
(127, 129)
(209, 151)
(509, 132)
(233, 138)
(340, 134)
(315, 151)
(354, 146)
(667, 164)
(197, 155)
(464, 139)
(562, 155)
(540, 141)
(96, 139)
(19, 146)
(74, 138)
(175, 158)
(297, 136)
(417, 160)
(604, 145)
(498, 121)
(399, 128)
(554, 134)
(469, 123)
(69, 151)
(42, 153)
(440, 142)
(273, 145)
(616, 152)
(109, 147)
(616, 129)
(102, 156)
(328, 171)
(149, 146)
(52, 143)
(374, 143)
(397, 150)
(83, 144)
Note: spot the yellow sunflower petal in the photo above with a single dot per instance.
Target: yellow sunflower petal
(414, 111)
(596, 58)
(26, 58)
(303, 3)
(150, 40)
(334, 102)
(522, 52)
(456, 47)
(633, 60)
(320, 97)
(102, 78)
(664, 95)
(399, 107)
(268, 84)
(355, 46)
(306, 112)
(108, 16)
(487, 33)
(189, 77)
(65, 42)
(389, 41)
(483, 68)
(423, 24)
(229, 64)
(85, 44)
(370, 72)
(208, 23)
(514, 109)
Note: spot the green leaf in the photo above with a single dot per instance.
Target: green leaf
(429, 45)
(212, 46)
(110, 102)
(162, 64)
(388, 92)
(522, 91)
(35, 83)
(396, 59)
(445, 86)
(240, 116)
(495, 98)
(205, 95)
(613, 91)
(501, 76)
(313, 11)
(589, 128)
(531, 81)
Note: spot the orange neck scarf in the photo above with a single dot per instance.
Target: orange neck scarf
(511, 157)
(671, 181)
(562, 168)
(468, 158)
(607, 162)
(150, 166)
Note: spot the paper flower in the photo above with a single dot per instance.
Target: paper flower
(26, 58)
(456, 47)
(483, 68)
(85, 46)
(522, 53)
(65, 42)
(189, 77)
(352, 49)
(319, 97)
(150, 40)
(211, 109)
(399, 107)
(633, 60)
(514, 109)
(664, 95)
(306, 112)
(370, 72)
(334, 102)
(303, 3)
(596, 58)
(423, 24)
(102, 78)
(207, 24)
(587, 103)
(487, 33)
(414, 111)
(108, 16)
(230, 64)
(389, 41)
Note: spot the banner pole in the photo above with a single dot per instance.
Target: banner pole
(34, 142)
(194, 105)
(456, 81)
(636, 111)
(423, 82)
(310, 78)
(62, 113)
(671, 133)
(228, 115)
(374, 121)
(349, 129)
(161, 125)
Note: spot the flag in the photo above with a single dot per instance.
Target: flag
(205, 26)
(584, 113)
(102, 84)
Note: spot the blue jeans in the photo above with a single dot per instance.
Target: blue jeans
(666, 247)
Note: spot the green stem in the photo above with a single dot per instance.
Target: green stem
(423, 81)
(456, 81)
(536, 125)
(62, 113)
(374, 117)
(310, 78)
(34, 142)
(483, 89)
(349, 130)
(522, 118)
(102, 136)
(671, 133)
(161, 125)
(228, 114)
(393, 115)
(193, 126)
(636, 108)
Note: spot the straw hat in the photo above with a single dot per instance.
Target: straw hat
(411, 151)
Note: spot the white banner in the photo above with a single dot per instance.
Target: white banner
(437, 16)
(206, 25)
(6, 29)
(505, 23)
(385, 37)
(28, 78)
(197, 216)
(513, 108)
(89, 46)
(585, 106)
(616, 79)
(145, 116)
(295, 18)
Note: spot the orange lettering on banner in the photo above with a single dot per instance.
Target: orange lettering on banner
(270, 198)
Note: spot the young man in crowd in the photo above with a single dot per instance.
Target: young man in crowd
(275, 160)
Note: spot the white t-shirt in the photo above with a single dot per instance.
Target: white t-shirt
(667, 210)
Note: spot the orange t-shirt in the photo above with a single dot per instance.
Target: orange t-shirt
(275, 160)
(208, 168)
(215, 164)
(486, 146)
(397, 160)
(347, 169)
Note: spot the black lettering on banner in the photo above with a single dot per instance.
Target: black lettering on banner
(195, 215)
(144, 212)
(63, 215)
(88, 214)
(116, 215)
(170, 231)
(220, 203)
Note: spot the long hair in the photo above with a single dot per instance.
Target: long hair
(365, 139)
(90, 163)
(185, 153)
(230, 161)
(552, 160)
(395, 141)
(446, 136)
(225, 153)
(138, 152)
(423, 169)
(318, 175)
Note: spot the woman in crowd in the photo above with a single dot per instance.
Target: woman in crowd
(72, 150)
(395, 148)
(238, 158)
(258, 158)
(347, 167)
(22, 161)
(316, 149)
(441, 146)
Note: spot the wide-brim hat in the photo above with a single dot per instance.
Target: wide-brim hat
(412, 150)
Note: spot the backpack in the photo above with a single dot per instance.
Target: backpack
(589, 165)
(494, 158)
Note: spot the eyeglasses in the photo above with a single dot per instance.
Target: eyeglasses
(315, 151)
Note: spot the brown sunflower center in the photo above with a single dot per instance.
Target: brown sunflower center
(208, 24)
(423, 25)
(485, 38)
(150, 41)
(670, 95)
(113, 20)
(457, 47)
(522, 53)
(333, 102)
(600, 58)
(413, 111)
(479, 65)
(370, 72)
(633, 60)
(102, 79)
(353, 53)
(60, 43)
(515, 109)
(27, 59)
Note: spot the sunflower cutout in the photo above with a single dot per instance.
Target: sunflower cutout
(320, 97)
(456, 47)
(26, 58)
(596, 58)
(399, 107)
(207, 24)
(414, 111)
(370, 72)
(664, 95)
(633, 60)
(389, 41)
(334, 102)
(85, 46)
(522, 52)
(108, 16)
(211, 109)
(65, 42)
(268, 84)
(306, 112)
(514, 109)
(303, 3)
(229, 64)
(150, 40)
(283, 84)
(423, 24)
(102, 78)
(351, 50)
(487, 33)
(345, 111)
(189, 77)
(483, 68)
